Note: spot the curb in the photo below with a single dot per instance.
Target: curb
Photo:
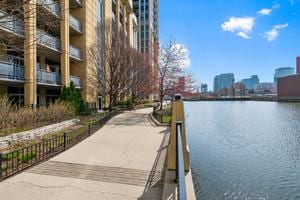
(157, 123)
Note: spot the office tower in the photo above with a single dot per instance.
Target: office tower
(282, 72)
(223, 81)
(251, 82)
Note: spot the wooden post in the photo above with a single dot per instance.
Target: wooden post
(178, 115)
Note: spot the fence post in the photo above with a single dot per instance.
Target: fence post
(65, 141)
(89, 129)
(0, 166)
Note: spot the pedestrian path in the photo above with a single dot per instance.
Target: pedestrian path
(123, 160)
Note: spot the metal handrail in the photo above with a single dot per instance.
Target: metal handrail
(180, 172)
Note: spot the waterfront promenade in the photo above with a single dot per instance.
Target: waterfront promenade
(123, 160)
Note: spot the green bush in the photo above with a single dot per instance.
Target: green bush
(73, 96)
(125, 104)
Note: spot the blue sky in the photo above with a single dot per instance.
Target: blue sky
(245, 37)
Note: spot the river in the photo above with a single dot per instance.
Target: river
(244, 149)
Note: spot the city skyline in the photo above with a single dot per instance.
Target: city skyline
(252, 38)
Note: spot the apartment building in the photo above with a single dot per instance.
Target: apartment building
(55, 38)
(146, 12)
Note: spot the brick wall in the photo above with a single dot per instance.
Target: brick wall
(289, 86)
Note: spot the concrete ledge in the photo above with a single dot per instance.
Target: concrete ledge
(157, 123)
(170, 187)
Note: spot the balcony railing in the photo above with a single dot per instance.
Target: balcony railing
(51, 6)
(45, 77)
(11, 23)
(48, 40)
(75, 52)
(78, 2)
(76, 80)
(75, 24)
(11, 71)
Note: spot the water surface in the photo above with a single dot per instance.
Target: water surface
(244, 150)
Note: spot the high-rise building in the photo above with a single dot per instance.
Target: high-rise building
(223, 81)
(146, 12)
(251, 82)
(282, 72)
(45, 45)
(204, 88)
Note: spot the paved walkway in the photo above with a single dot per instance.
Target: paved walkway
(123, 160)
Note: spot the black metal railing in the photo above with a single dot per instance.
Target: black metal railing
(20, 159)
(162, 116)
(180, 171)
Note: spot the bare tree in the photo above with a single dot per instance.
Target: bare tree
(141, 83)
(112, 55)
(170, 62)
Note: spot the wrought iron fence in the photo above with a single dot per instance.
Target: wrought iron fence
(23, 158)
(162, 116)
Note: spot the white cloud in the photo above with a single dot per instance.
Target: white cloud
(243, 35)
(265, 11)
(241, 26)
(186, 62)
(276, 6)
(185, 54)
(272, 34)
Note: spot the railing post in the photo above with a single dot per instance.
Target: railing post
(0, 166)
(65, 141)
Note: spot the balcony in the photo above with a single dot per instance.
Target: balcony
(51, 6)
(76, 3)
(44, 77)
(9, 71)
(76, 80)
(11, 24)
(48, 40)
(75, 25)
(75, 53)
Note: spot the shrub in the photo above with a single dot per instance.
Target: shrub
(14, 119)
(125, 104)
(73, 96)
(5, 108)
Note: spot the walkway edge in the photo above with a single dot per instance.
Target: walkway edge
(157, 123)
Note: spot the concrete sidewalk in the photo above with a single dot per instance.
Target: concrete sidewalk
(123, 160)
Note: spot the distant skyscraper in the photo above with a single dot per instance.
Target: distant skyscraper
(223, 81)
(204, 88)
(251, 82)
(283, 72)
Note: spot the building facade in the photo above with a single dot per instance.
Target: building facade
(282, 72)
(204, 88)
(250, 82)
(223, 82)
(289, 86)
(266, 88)
(46, 46)
(146, 12)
